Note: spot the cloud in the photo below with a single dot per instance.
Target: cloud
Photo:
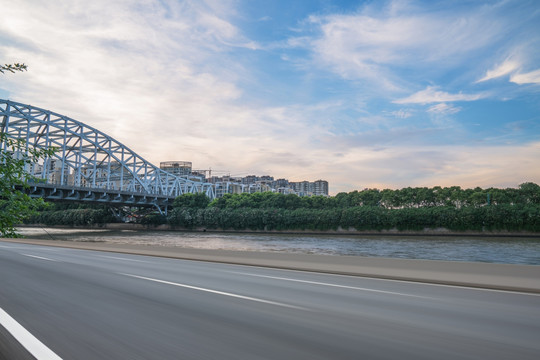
(444, 109)
(383, 44)
(512, 68)
(432, 95)
(532, 77)
(402, 113)
(507, 67)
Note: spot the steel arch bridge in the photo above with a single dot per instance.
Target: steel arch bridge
(88, 165)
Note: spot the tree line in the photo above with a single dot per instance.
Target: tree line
(455, 196)
(71, 215)
(410, 209)
(362, 218)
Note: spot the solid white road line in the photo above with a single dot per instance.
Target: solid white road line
(419, 282)
(39, 257)
(26, 339)
(333, 285)
(216, 292)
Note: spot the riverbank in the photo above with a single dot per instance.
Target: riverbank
(510, 277)
(340, 231)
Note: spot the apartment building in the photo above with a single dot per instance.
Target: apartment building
(228, 184)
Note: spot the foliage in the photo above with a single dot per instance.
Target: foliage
(194, 201)
(71, 217)
(154, 219)
(15, 205)
(270, 200)
(455, 196)
(363, 218)
(13, 67)
(409, 209)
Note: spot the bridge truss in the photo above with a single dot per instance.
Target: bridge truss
(88, 165)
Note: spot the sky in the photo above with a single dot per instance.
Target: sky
(363, 94)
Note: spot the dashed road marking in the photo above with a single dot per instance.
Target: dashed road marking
(120, 258)
(333, 285)
(39, 257)
(216, 292)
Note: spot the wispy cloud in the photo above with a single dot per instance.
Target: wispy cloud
(133, 69)
(532, 77)
(507, 67)
(513, 69)
(378, 43)
(431, 95)
(402, 113)
(443, 108)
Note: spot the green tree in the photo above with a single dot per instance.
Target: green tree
(530, 193)
(15, 205)
(13, 67)
(194, 201)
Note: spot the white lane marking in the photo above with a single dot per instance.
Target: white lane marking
(376, 278)
(119, 258)
(216, 292)
(425, 282)
(472, 287)
(333, 285)
(26, 339)
(39, 257)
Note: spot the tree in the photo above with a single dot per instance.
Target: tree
(15, 205)
(195, 201)
(530, 193)
(13, 67)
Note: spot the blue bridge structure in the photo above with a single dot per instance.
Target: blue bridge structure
(88, 165)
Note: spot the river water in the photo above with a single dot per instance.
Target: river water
(506, 250)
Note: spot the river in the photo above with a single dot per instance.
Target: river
(505, 250)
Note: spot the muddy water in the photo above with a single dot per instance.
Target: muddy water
(506, 250)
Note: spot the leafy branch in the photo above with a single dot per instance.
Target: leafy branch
(15, 205)
(13, 67)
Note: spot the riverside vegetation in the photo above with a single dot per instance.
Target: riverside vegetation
(72, 215)
(408, 209)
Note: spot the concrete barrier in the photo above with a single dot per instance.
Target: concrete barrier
(524, 278)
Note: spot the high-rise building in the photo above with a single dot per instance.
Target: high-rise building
(250, 179)
(178, 168)
(282, 183)
(320, 187)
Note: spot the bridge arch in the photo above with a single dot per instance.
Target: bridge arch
(87, 158)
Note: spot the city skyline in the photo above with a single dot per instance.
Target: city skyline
(363, 94)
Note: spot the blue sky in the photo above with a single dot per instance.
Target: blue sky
(383, 94)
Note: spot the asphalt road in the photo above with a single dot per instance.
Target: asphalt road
(83, 304)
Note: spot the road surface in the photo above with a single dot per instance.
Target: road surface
(81, 304)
